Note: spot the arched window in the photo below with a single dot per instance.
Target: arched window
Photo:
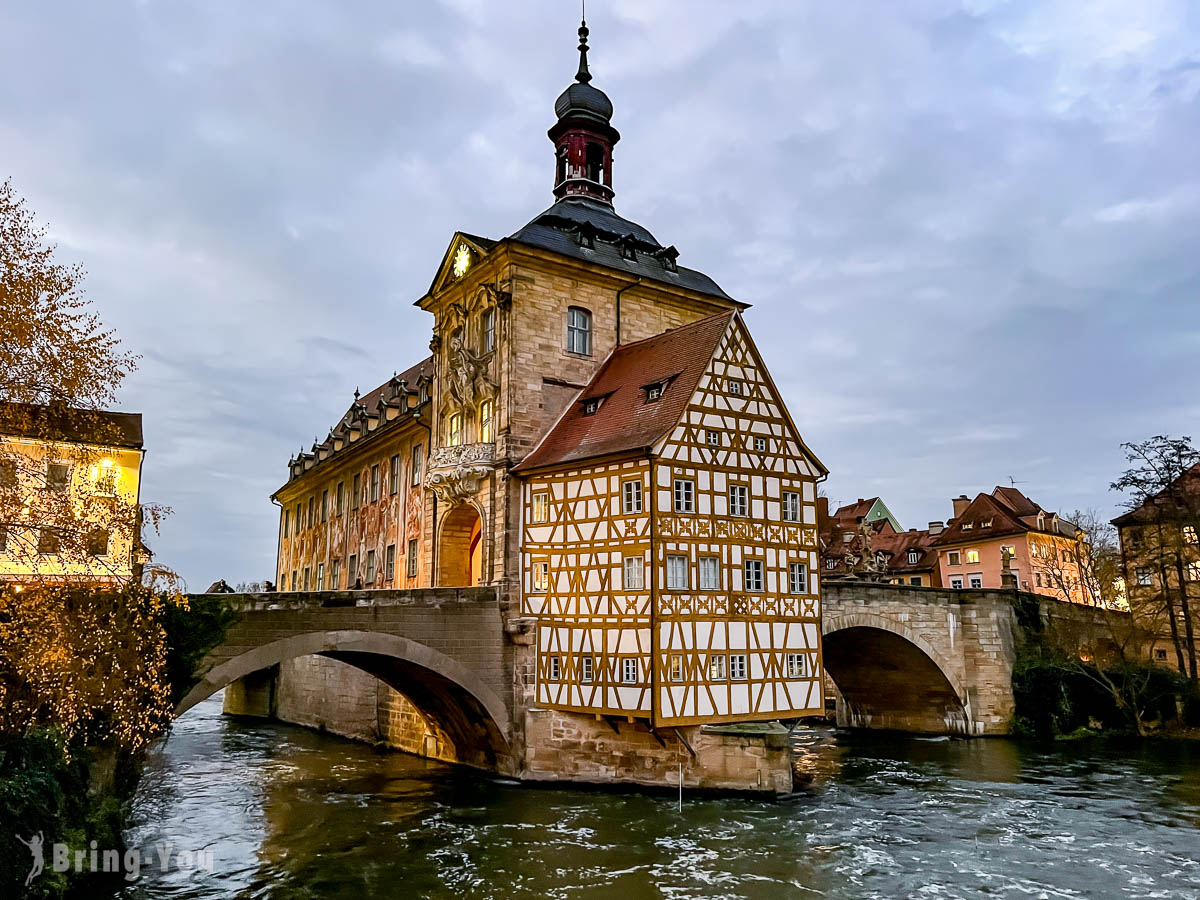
(579, 331)
(454, 430)
(487, 427)
(594, 163)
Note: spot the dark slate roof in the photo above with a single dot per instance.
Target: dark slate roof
(565, 227)
(64, 423)
(1180, 499)
(625, 421)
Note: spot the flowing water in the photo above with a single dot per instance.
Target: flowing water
(289, 813)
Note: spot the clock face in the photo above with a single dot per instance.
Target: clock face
(462, 261)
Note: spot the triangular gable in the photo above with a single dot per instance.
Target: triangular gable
(463, 247)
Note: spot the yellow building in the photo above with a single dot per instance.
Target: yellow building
(70, 482)
(575, 366)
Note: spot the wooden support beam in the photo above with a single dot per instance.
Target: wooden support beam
(686, 745)
(613, 723)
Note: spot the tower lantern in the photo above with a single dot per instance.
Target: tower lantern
(583, 136)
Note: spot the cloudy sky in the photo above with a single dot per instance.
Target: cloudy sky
(970, 230)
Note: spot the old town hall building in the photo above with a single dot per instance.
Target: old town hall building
(597, 436)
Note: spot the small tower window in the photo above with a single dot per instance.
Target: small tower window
(579, 331)
(561, 168)
(591, 405)
(594, 163)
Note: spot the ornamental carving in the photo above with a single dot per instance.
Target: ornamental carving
(467, 382)
(456, 473)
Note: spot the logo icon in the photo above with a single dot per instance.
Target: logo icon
(39, 862)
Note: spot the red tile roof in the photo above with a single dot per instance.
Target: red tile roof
(1008, 511)
(625, 420)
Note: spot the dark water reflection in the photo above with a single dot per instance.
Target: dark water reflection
(288, 813)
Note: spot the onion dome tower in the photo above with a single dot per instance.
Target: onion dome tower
(583, 136)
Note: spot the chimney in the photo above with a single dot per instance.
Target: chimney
(822, 509)
(961, 502)
(936, 528)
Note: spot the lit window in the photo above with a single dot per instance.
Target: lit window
(635, 568)
(320, 576)
(489, 331)
(677, 667)
(754, 575)
(967, 526)
(716, 668)
(394, 474)
(739, 500)
(541, 508)
(587, 669)
(976, 580)
(541, 576)
(798, 577)
(106, 480)
(555, 668)
(416, 464)
(677, 573)
(972, 556)
(760, 444)
(1145, 578)
(796, 665)
(791, 506)
(1193, 571)
(454, 430)
(685, 492)
(1189, 534)
(956, 582)
(631, 497)
(737, 666)
(734, 387)
(712, 438)
(629, 670)
(953, 558)
(370, 566)
(710, 573)
(986, 523)
(579, 331)
(1010, 549)
(487, 428)
(389, 562)
(412, 558)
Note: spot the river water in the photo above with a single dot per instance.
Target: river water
(289, 813)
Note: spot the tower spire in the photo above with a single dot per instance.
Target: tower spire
(583, 76)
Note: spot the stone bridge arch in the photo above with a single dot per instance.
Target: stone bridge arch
(890, 677)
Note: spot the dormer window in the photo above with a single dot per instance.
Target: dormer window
(967, 526)
(654, 392)
(986, 523)
(914, 557)
(591, 405)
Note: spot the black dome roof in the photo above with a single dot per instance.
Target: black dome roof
(582, 99)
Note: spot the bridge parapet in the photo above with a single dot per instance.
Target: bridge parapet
(435, 598)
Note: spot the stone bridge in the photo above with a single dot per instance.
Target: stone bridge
(932, 660)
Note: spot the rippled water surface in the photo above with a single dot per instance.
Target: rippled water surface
(291, 813)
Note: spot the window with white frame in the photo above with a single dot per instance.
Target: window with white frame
(791, 506)
(685, 495)
(798, 577)
(972, 556)
(754, 575)
(975, 579)
(760, 444)
(739, 500)
(541, 576)
(733, 386)
(1192, 573)
(415, 466)
(320, 576)
(914, 557)
(394, 474)
(541, 508)
(351, 570)
(554, 668)
(956, 582)
(676, 667)
(411, 565)
(1145, 577)
(370, 566)
(710, 573)
(579, 331)
(629, 670)
(631, 497)
(677, 573)
(737, 666)
(830, 563)
(489, 330)
(716, 667)
(635, 569)
(389, 563)
(797, 665)
(953, 558)
(587, 669)
(712, 437)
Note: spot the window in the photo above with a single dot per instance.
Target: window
(356, 494)
(287, 517)
(591, 405)
(1037, 577)
(312, 516)
(1189, 534)
(739, 500)
(975, 579)
(339, 498)
(1192, 573)
(631, 497)
(915, 581)
(914, 557)
(629, 670)
(968, 526)
(299, 520)
(734, 387)
(335, 575)
(953, 558)
(374, 482)
(394, 475)
(412, 558)
(416, 464)
(716, 668)
(295, 580)
(454, 430)
(106, 480)
(1160, 654)
(754, 575)
(308, 578)
(831, 563)
(798, 577)
(8, 472)
(791, 506)
(712, 438)
(541, 576)
(986, 523)
(676, 668)
(487, 427)
(685, 496)
(956, 582)
(654, 392)
(541, 508)
(579, 331)
(554, 667)
(972, 556)
(1145, 578)
(320, 576)
(389, 562)
(796, 665)
(760, 444)
(710, 573)
(325, 505)
(737, 666)
(1010, 549)
(352, 571)
(58, 476)
(97, 542)
(370, 566)
(635, 568)
(489, 331)
(677, 573)
(587, 669)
